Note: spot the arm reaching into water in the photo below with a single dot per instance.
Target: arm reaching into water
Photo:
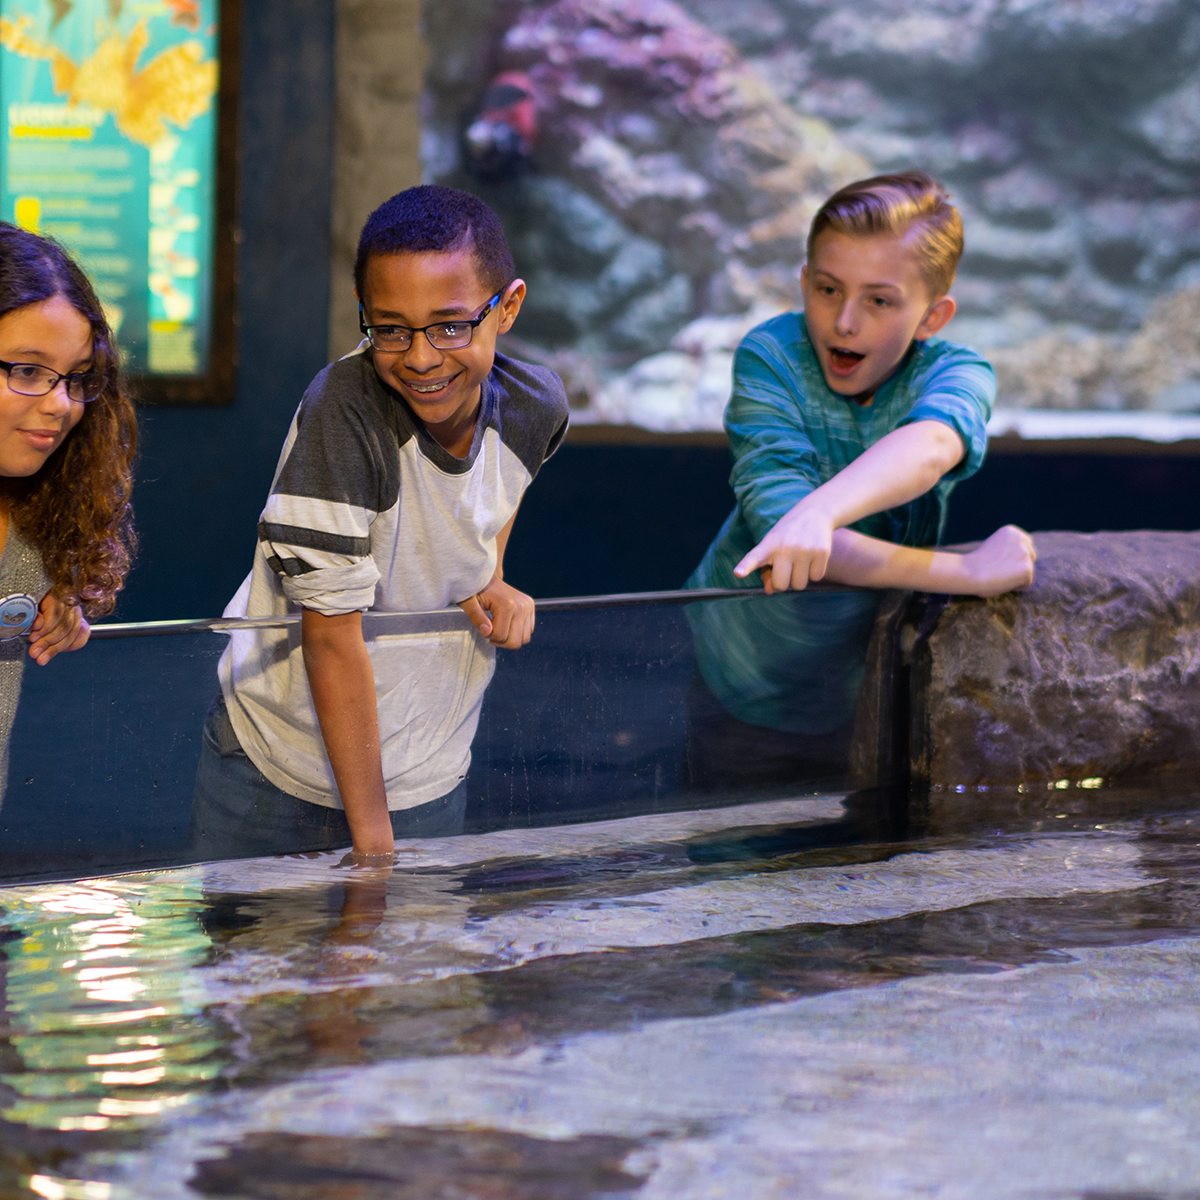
(342, 683)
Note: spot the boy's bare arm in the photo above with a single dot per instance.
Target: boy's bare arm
(343, 690)
(1004, 563)
(899, 467)
(502, 614)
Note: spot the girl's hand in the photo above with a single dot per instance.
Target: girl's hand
(56, 628)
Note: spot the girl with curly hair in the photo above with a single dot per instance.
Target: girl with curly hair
(67, 439)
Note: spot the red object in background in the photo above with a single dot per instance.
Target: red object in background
(185, 13)
(499, 140)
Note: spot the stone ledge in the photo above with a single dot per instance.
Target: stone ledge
(1094, 673)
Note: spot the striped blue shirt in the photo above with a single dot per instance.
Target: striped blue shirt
(796, 664)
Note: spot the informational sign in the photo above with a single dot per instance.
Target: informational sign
(110, 137)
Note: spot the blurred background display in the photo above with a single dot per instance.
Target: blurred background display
(110, 147)
(657, 164)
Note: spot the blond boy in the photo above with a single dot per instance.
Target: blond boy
(849, 427)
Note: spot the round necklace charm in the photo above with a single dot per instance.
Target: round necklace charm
(17, 614)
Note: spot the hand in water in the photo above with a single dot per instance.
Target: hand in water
(385, 858)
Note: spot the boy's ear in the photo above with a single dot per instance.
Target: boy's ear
(510, 304)
(936, 316)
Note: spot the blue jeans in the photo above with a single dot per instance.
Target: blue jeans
(237, 812)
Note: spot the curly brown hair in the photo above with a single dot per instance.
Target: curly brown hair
(76, 509)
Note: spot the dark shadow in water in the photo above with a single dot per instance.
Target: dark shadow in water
(874, 816)
(417, 1163)
(547, 1000)
(874, 827)
(518, 876)
(555, 998)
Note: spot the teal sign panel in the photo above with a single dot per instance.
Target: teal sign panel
(109, 146)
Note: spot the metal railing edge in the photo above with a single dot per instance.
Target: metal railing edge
(420, 620)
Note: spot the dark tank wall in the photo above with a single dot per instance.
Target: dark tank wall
(604, 518)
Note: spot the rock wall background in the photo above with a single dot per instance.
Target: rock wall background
(375, 135)
(683, 147)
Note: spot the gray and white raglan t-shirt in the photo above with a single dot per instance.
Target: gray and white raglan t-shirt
(367, 511)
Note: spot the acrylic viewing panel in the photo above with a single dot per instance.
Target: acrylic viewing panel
(590, 721)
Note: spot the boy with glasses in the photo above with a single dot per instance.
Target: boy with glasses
(396, 492)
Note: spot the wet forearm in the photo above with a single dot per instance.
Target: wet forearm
(342, 684)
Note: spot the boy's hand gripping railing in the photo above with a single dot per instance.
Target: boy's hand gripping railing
(422, 622)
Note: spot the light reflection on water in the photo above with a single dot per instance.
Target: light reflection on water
(98, 1010)
(137, 1006)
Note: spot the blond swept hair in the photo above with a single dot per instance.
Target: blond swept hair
(908, 205)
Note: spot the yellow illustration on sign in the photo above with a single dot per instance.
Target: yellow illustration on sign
(176, 85)
(28, 213)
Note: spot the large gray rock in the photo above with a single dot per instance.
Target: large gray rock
(1092, 674)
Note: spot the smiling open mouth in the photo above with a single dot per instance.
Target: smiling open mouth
(844, 360)
(428, 389)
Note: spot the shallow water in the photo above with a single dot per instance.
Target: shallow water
(978, 995)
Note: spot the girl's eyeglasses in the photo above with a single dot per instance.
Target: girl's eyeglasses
(28, 379)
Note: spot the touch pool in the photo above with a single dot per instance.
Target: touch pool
(998, 1001)
(619, 983)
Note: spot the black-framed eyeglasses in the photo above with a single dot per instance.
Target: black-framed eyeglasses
(29, 379)
(444, 335)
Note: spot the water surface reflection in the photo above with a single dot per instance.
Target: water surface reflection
(156, 1026)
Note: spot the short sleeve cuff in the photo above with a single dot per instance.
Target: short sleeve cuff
(333, 591)
(969, 427)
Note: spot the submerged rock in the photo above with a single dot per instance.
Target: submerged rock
(1091, 675)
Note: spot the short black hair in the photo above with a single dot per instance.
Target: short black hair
(431, 217)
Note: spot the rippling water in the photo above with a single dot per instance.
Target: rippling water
(977, 995)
